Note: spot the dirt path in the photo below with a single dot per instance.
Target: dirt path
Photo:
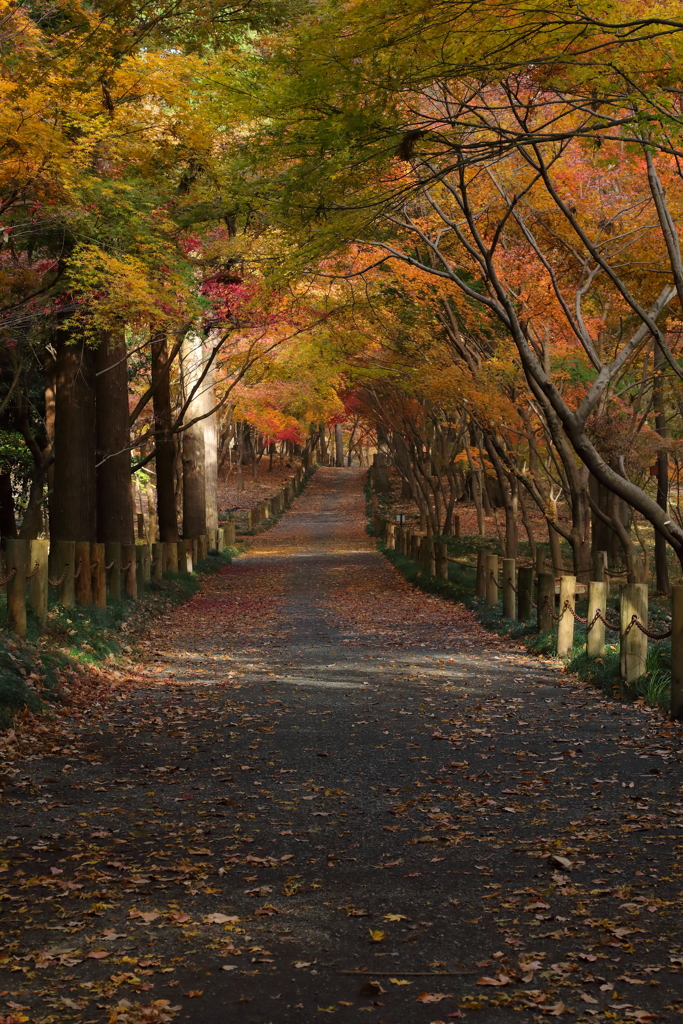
(329, 773)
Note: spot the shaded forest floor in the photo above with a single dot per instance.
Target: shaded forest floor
(324, 793)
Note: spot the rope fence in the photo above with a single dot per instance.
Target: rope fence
(57, 583)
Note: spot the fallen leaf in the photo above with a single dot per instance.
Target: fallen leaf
(432, 997)
(376, 936)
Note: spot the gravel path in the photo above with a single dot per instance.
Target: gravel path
(333, 794)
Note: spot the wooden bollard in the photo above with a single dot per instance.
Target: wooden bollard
(37, 585)
(565, 625)
(391, 536)
(190, 554)
(525, 586)
(430, 555)
(201, 547)
(633, 643)
(442, 560)
(492, 579)
(597, 600)
(172, 552)
(182, 557)
(456, 526)
(157, 561)
(230, 532)
(129, 568)
(545, 601)
(480, 582)
(112, 553)
(677, 652)
(17, 557)
(195, 553)
(509, 574)
(140, 574)
(98, 581)
(211, 540)
(62, 566)
(220, 539)
(82, 577)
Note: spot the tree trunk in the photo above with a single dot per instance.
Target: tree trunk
(661, 565)
(194, 473)
(211, 451)
(164, 441)
(339, 443)
(73, 505)
(114, 484)
(8, 522)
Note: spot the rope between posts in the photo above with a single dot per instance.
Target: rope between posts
(110, 566)
(499, 585)
(93, 565)
(12, 573)
(124, 568)
(36, 567)
(78, 570)
(56, 583)
(512, 585)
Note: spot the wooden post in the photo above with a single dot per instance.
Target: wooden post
(565, 626)
(430, 555)
(211, 540)
(140, 568)
(525, 585)
(17, 555)
(172, 550)
(129, 570)
(83, 588)
(112, 553)
(195, 553)
(677, 652)
(190, 547)
(391, 537)
(442, 560)
(597, 599)
(480, 584)
(37, 587)
(230, 532)
(147, 562)
(509, 567)
(62, 567)
(99, 576)
(492, 580)
(456, 526)
(633, 643)
(201, 548)
(220, 539)
(545, 601)
(157, 561)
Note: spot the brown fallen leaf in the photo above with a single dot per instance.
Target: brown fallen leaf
(501, 979)
(97, 954)
(195, 993)
(433, 997)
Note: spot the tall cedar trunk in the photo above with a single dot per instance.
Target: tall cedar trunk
(8, 523)
(50, 375)
(339, 443)
(661, 565)
(164, 441)
(211, 451)
(73, 505)
(194, 481)
(114, 485)
(604, 537)
(323, 443)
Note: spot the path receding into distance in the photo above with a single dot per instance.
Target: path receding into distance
(335, 796)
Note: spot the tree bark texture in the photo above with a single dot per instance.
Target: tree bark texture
(73, 505)
(164, 441)
(194, 468)
(114, 485)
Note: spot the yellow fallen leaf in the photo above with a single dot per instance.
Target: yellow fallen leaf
(375, 935)
(395, 917)
(343, 1003)
(400, 981)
